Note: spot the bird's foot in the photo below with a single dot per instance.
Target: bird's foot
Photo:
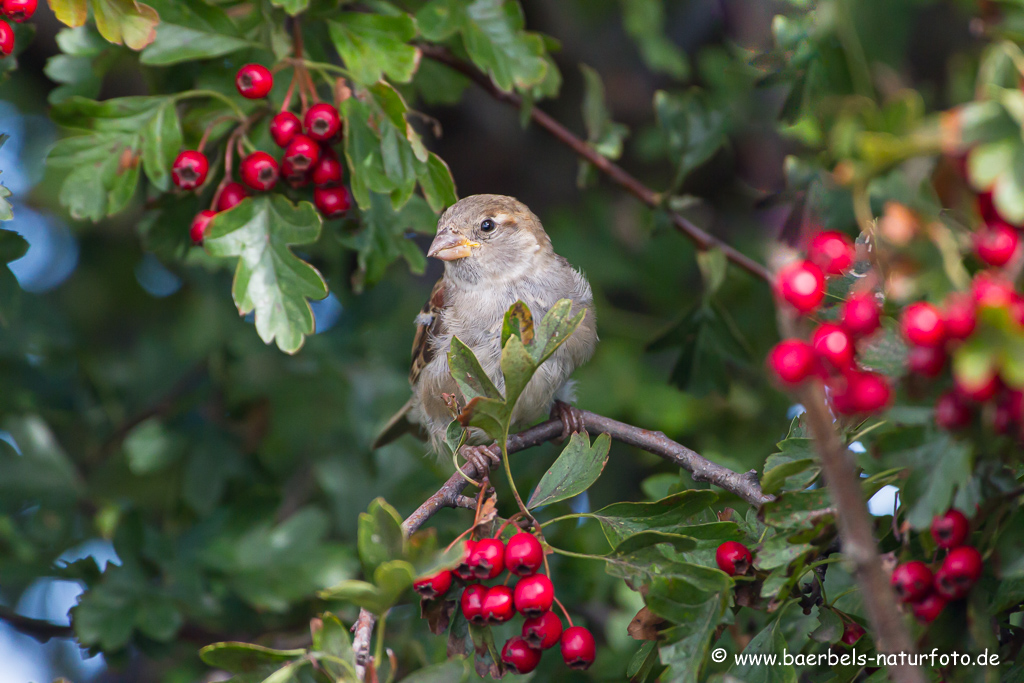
(483, 458)
(571, 418)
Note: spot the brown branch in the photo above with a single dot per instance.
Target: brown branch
(40, 629)
(616, 173)
(744, 485)
(857, 534)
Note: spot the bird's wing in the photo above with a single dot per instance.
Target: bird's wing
(428, 325)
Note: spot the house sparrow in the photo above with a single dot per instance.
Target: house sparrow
(496, 253)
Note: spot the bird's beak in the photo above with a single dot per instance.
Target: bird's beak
(448, 246)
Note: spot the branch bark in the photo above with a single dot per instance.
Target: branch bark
(616, 173)
(745, 485)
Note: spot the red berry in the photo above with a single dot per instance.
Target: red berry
(911, 581)
(861, 315)
(926, 360)
(199, 225)
(328, 171)
(254, 81)
(519, 656)
(1009, 411)
(534, 595)
(542, 632)
(959, 571)
(189, 169)
(922, 325)
(302, 152)
(951, 413)
(831, 251)
(833, 345)
(991, 290)
(950, 530)
(259, 171)
(578, 648)
(498, 607)
(862, 392)
(292, 175)
(488, 558)
(852, 632)
(465, 571)
(322, 122)
(802, 284)
(6, 38)
(961, 315)
(523, 554)
(978, 389)
(231, 196)
(472, 603)
(284, 127)
(332, 201)
(20, 10)
(792, 361)
(733, 558)
(987, 208)
(996, 244)
(928, 608)
(434, 586)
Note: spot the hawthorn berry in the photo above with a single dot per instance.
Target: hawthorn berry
(488, 558)
(911, 580)
(733, 558)
(1009, 412)
(498, 607)
(292, 175)
(327, 172)
(987, 208)
(434, 586)
(534, 595)
(20, 10)
(959, 571)
(472, 603)
(322, 122)
(960, 315)
(6, 38)
(852, 632)
(578, 648)
(926, 360)
(922, 325)
(254, 81)
(284, 127)
(464, 570)
(199, 225)
(332, 201)
(802, 285)
(996, 244)
(991, 290)
(519, 656)
(831, 251)
(977, 389)
(523, 554)
(259, 171)
(928, 608)
(832, 344)
(863, 392)
(792, 361)
(951, 413)
(542, 632)
(861, 315)
(302, 152)
(950, 530)
(189, 169)
(231, 196)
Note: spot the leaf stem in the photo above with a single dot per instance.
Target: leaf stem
(508, 473)
(189, 94)
(563, 518)
(378, 656)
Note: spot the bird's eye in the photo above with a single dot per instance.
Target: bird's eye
(487, 225)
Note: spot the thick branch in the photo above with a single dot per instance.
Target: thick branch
(40, 629)
(857, 535)
(616, 173)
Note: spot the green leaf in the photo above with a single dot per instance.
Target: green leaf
(673, 513)
(372, 45)
(331, 640)
(645, 23)
(777, 552)
(12, 247)
(574, 471)
(488, 660)
(768, 642)
(270, 279)
(386, 235)
(246, 657)
(696, 612)
(42, 471)
(937, 467)
(192, 30)
(380, 535)
(437, 184)
(693, 128)
(830, 626)
(160, 145)
(150, 447)
(796, 460)
(554, 329)
(292, 7)
(70, 12)
(86, 58)
(390, 580)
(468, 373)
(646, 539)
(798, 508)
(127, 22)
(452, 671)
(603, 134)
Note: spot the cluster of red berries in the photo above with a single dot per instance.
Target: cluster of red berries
(831, 353)
(15, 10)
(309, 156)
(532, 597)
(928, 593)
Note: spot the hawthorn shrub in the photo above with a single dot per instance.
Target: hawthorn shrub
(802, 222)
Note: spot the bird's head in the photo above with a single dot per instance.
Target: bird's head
(489, 237)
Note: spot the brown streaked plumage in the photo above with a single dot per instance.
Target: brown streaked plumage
(496, 252)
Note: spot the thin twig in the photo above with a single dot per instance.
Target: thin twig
(40, 629)
(616, 173)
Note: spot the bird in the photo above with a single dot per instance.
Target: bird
(495, 253)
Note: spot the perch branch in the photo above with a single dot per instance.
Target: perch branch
(40, 629)
(616, 173)
(744, 485)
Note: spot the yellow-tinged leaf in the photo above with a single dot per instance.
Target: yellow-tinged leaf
(70, 12)
(126, 22)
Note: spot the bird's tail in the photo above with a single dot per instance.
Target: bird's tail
(398, 426)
